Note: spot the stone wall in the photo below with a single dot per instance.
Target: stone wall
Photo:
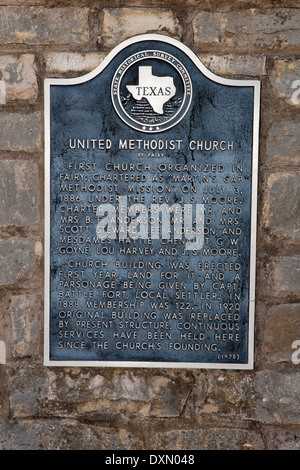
(89, 408)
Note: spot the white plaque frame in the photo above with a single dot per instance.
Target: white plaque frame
(256, 117)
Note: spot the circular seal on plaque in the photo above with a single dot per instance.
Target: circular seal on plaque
(151, 91)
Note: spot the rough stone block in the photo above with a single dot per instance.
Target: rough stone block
(19, 193)
(63, 62)
(281, 438)
(220, 397)
(4, 403)
(283, 278)
(39, 25)
(122, 23)
(21, 132)
(234, 64)
(277, 397)
(285, 81)
(282, 328)
(209, 439)
(18, 75)
(26, 386)
(158, 394)
(283, 143)
(228, 395)
(256, 29)
(26, 314)
(282, 204)
(67, 434)
(18, 258)
(95, 394)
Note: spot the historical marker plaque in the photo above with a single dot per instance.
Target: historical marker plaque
(151, 177)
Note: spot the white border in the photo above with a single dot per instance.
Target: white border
(256, 115)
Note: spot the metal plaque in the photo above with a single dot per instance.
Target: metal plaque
(150, 204)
